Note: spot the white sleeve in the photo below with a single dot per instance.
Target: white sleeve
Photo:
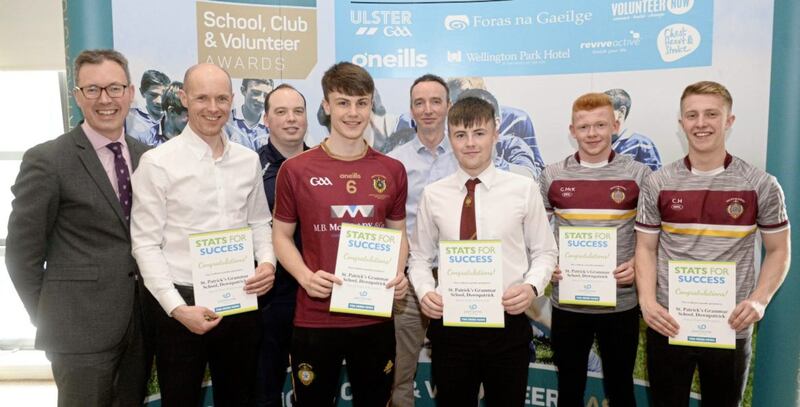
(424, 249)
(540, 243)
(148, 218)
(258, 218)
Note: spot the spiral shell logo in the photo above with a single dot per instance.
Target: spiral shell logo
(456, 23)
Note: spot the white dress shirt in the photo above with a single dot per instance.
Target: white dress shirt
(180, 189)
(508, 207)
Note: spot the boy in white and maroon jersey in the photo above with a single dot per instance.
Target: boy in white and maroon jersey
(707, 207)
(596, 188)
(341, 180)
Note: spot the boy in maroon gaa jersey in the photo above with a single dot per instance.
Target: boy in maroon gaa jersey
(341, 180)
(707, 207)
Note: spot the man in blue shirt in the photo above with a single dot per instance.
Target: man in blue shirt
(427, 158)
(517, 143)
(636, 145)
(245, 125)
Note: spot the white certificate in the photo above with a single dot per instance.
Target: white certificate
(366, 261)
(471, 283)
(221, 262)
(702, 295)
(587, 258)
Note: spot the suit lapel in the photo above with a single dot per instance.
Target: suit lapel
(95, 169)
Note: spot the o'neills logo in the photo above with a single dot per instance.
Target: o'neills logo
(735, 207)
(618, 194)
(403, 58)
(352, 175)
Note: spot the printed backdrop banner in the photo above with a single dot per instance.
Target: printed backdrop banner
(534, 58)
(295, 41)
(523, 37)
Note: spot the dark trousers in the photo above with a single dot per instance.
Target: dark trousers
(273, 360)
(463, 358)
(573, 334)
(723, 372)
(317, 354)
(230, 350)
(116, 377)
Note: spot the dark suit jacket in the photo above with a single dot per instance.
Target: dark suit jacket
(68, 249)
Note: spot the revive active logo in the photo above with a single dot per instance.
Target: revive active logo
(615, 45)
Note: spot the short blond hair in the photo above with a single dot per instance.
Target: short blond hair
(708, 88)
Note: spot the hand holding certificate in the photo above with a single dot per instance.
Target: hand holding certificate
(221, 262)
(366, 261)
(587, 258)
(471, 283)
(702, 295)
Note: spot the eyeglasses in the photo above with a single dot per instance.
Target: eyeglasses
(114, 90)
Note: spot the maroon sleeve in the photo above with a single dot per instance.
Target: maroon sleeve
(285, 202)
(398, 210)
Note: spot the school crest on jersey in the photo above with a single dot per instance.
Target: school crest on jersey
(618, 194)
(305, 374)
(379, 183)
(735, 208)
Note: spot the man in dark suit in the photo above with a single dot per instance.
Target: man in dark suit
(68, 248)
